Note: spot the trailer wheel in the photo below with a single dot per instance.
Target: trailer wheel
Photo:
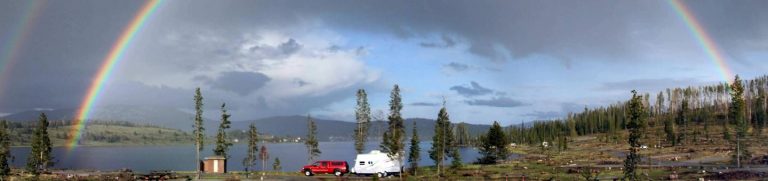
(382, 174)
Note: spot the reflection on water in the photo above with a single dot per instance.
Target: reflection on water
(181, 157)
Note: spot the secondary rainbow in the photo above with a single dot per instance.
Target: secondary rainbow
(13, 45)
(702, 37)
(112, 59)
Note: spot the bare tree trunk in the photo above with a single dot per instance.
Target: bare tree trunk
(197, 162)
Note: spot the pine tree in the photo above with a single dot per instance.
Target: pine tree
(253, 147)
(759, 112)
(441, 140)
(737, 113)
(669, 129)
(414, 153)
(493, 145)
(394, 137)
(636, 116)
(5, 149)
(40, 157)
(363, 115)
(455, 158)
(199, 129)
(312, 149)
(222, 141)
(276, 165)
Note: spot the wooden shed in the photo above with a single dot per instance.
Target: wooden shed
(215, 164)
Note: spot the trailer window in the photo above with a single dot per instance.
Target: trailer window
(370, 162)
(362, 163)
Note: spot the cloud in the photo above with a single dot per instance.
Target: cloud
(429, 104)
(496, 102)
(242, 83)
(445, 42)
(473, 90)
(289, 47)
(456, 67)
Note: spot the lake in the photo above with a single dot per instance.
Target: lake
(182, 157)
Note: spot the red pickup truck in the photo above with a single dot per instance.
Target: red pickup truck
(335, 167)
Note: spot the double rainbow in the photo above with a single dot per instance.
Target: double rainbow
(112, 59)
(9, 52)
(702, 37)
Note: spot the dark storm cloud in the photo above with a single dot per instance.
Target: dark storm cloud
(242, 83)
(496, 102)
(62, 51)
(473, 90)
(500, 30)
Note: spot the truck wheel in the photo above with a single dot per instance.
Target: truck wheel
(307, 173)
(337, 172)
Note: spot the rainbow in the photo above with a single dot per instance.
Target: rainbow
(114, 57)
(10, 51)
(702, 37)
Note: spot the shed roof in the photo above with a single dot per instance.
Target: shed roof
(216, 157)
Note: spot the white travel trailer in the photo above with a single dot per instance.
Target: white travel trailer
(376, 162)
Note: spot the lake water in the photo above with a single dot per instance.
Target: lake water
(182, 157)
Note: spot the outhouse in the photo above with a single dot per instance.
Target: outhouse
(215, 164)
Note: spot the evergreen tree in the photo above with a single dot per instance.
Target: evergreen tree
(414, 153)
(199, 129)
(737, 113)
(394, 137)
(759, 113)
(222, 141)
(363, 115)
(493, 145)
(442, 140)
(40, 158)
(253, 147)
(276, 165)
(312, 149)
(669, 129)
(572, 126)
(5, 149)
(455, 158)
(636, 116)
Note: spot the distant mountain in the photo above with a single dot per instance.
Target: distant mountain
(158, 116)
(340, 130)
(278, 126)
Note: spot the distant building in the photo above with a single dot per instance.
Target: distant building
(215, 164)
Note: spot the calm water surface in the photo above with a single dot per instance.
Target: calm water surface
(182, 157)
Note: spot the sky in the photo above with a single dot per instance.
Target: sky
(506, 61)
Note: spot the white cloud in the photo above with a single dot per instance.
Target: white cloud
(303, 72)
